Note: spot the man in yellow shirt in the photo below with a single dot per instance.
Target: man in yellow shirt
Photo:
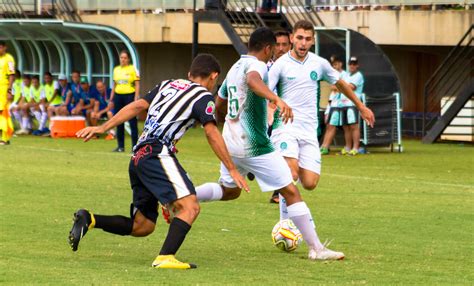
(7, 76)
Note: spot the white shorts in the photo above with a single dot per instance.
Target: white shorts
(305, 150)
(13, 105)
(270, 170)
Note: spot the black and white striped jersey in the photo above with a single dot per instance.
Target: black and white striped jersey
(175, 105)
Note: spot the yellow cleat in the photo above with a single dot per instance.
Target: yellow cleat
(170, 262)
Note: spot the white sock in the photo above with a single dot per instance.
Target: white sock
(209, 192)
(283, 208)
(25, 123)
(301, 216)
(17, 116)
(44, 118)
(37, 115)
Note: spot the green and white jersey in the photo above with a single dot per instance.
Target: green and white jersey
(245, 128)
(297, 83)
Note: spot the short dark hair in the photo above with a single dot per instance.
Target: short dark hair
(35, 77)
(26, 76)
(17, 73)
(125, 52)
(3, 43)
(260, 38)
(203, 65)
(303, 24)
(282, 33)
(47, 73)
(76, 71)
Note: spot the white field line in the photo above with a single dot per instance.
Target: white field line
(414, 181)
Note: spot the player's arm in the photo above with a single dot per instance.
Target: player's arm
(221, 102)
(215, 140)
(125, 114)
(256, 84)
(365, 112)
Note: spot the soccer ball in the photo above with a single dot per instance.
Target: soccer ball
(286, 236)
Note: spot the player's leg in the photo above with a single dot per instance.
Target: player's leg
(347, 139)
(309, 163)
(225, 190)
(301, 216)
(333, 121)
(6, 125)
(118, 105)
(353, 120)
(44, 118)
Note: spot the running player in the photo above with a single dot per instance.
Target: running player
(283, 45)
(7, 76)
(155, 174)
(296, 76)
(245, 133)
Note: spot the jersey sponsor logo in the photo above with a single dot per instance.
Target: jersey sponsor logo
(283, 146)
(313, 75)
(180, 85)
(290, 77)
(210, 108)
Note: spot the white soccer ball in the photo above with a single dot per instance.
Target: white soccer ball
(286, 236)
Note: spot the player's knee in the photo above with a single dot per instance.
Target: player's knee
(141, 230)
(310, 185)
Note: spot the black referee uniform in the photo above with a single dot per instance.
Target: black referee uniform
(155, 173)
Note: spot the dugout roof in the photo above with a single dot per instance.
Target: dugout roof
(60, 47)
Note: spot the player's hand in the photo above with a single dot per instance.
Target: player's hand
(285, 111)
(368, 116)
(239, 180)
(89, 132)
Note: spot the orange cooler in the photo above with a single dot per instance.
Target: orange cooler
(66, 126)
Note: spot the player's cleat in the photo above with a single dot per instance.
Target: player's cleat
(37, 132)
(250, 176)
(22, 132)
(343, 152)
(353, 152)
(4, 143)
(119, 150)
(45, 132)
(325, 254)
(170, 262)
(324, 151)
(83, 221)
(168, 214)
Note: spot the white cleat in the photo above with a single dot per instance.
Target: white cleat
(325, 254)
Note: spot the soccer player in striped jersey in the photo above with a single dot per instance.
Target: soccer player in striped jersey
(245, 133)
(155, 173)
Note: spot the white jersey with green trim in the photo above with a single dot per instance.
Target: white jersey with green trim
(245, 128)
(297, 83)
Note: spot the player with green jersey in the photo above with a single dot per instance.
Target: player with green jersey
(245, 134)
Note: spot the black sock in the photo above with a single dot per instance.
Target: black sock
(176, 235)
(116, 224)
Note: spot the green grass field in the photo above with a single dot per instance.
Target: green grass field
(400, 219)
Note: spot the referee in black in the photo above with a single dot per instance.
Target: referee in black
(155, 173)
